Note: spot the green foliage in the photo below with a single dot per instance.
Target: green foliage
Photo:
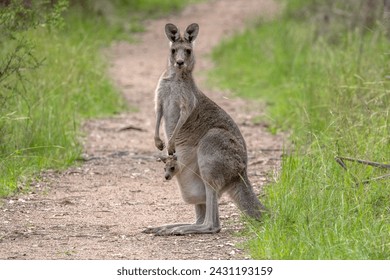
(52, 76)
(126, 15)
(19, 149)
(330, 87)
(154, 7)
(21, 15)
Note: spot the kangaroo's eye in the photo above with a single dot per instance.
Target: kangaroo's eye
(172, 168)
(188, 51)
(173, 51)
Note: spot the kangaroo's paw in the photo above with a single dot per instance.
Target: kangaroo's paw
(159, 144)
(171, 148)
(171, 151)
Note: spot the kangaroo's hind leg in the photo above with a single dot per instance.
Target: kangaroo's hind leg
(210, 222)
(207, 213)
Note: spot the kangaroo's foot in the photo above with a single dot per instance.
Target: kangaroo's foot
(189, 229)
(155, 230)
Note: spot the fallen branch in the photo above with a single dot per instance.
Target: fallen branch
(131, 127)
(340, 161)
(366, 162)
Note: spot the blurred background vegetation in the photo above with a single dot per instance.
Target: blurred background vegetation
(53, 75)
(323, 69)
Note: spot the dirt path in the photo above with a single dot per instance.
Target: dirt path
(97, 210)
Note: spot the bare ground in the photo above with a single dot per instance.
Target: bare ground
(98, 210)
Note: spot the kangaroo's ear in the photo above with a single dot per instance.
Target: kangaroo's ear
(191, 32)
(172, 32)
(163, 159)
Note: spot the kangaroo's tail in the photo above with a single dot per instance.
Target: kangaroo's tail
(246, 200)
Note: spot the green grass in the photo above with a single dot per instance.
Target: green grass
(330, 90)
(40, 118)
(40, 124)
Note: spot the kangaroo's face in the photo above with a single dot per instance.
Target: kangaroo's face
(171, 167)
(181, 51)
(181, 56)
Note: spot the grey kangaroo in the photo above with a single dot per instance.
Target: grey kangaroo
(207, 142)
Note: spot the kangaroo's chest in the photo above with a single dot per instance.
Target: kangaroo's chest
(177, 99)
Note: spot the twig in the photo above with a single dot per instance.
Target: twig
(342, 164)
(340, 161)
(272, 150)
(261, 161)
(371, 163)
(131, 127)
(376, 178)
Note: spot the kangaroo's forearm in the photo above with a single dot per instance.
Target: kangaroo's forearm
(158, 122)
(182, 119)
(157, 140)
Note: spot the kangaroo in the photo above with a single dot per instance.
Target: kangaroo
(171, 167)
(209, 144)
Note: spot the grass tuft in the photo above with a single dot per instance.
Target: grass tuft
(328, 86)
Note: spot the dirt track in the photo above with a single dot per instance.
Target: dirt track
(98, 210)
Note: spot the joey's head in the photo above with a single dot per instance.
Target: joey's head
(181, 57)
(171, 166)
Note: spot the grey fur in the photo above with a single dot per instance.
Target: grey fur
(210, 148)
(171, 167)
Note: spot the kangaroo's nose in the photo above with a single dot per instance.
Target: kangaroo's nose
(180, 62)
(167, 177)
